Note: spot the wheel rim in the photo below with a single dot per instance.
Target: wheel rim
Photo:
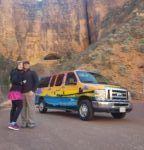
(41, 106)
(83, 110)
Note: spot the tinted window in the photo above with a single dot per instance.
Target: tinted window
(52, 81)
(44, 82)
(71, 78)
(59, 80)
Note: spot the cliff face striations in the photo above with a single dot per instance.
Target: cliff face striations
(32, 29)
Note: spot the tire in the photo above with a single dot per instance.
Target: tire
(42, 107)
(85, 110)
(118, 115)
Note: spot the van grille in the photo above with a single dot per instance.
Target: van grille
(119, 95)
(121, 104)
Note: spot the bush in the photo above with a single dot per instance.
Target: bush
(5, 67)
(128, 40)
(141, 48)
(142, 41)
(123, 70)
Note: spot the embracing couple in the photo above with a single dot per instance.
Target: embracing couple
(24, 82)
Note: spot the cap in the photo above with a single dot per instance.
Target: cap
(26, 62)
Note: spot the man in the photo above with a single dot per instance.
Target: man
(28, 111)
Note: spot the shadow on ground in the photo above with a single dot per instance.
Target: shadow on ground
(98, 117)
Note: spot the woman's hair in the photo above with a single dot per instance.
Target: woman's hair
(18, 62)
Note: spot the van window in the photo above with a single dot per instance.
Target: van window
(44, 82)
(59, 80)
(71, 78)
(52, 81)
(100, 79)
(86, 77)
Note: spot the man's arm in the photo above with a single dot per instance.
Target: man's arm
(35, 81)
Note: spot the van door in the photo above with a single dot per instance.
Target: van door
(55, 96)
(70, 91)
(59, 85)
(42, 89)
(50, 98)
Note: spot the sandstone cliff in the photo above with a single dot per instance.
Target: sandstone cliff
(32, 29)
(112, 30)
(119, 56)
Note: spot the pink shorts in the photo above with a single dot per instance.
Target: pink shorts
(15, 95)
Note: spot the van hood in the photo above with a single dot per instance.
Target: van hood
(101, 86)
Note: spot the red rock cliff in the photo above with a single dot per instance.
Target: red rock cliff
(32, 29)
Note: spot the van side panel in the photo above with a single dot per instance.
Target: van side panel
(61, 102)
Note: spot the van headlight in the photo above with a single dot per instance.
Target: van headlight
(100, 95)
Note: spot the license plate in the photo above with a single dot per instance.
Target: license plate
(122, 109)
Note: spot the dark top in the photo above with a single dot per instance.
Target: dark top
(31, 81)
(16, 78)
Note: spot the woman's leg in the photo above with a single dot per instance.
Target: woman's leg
(12, 112)
(19, 105)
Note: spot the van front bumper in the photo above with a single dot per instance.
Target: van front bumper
(111, 107)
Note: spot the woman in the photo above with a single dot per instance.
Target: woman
(15, 95)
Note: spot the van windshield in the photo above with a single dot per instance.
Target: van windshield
(86, 77)
(100, 79)
(90, 77)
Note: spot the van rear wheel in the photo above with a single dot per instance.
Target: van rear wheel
(85, 110)
(42, 107)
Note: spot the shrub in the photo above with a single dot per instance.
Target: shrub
(123, 70)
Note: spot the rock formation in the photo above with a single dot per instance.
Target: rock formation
(32, 29)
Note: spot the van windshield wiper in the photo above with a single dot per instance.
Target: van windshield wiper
(103, 82)
(89, 82)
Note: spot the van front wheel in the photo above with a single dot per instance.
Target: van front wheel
(85, 110)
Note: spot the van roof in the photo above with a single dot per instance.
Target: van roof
(64, 72)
